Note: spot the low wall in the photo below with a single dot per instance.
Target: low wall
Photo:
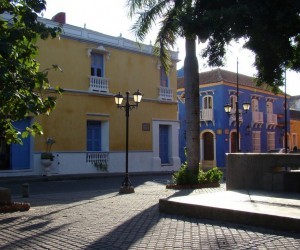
(261, 171)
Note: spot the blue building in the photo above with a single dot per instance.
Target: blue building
(260, 129)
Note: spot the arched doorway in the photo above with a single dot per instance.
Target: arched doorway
(208, 141)
(233, 145)
(208, 146)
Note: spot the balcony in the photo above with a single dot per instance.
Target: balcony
(97, 158)
(272, 121)
(207, 115)
(165, 94)
(98, 84)
(232, 118)
(257, 119)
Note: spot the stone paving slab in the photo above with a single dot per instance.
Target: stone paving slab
(103, 219)
(271, 210)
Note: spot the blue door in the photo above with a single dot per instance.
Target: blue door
(20, 154)
(164, 144)
(93, 136)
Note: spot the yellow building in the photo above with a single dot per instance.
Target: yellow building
(295, 129)
(88, 128)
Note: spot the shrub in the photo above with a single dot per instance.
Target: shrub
(202, 178)
(214, 175)
(184, 176)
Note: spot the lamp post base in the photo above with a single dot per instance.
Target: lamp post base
(126, 187)
(126, 190)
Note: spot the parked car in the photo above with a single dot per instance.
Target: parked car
(279, 150)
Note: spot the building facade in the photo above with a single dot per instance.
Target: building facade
(295, 129)
(88, 128)
(260, 129)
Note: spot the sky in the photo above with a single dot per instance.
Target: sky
(110, 17)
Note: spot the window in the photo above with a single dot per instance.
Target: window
(93, 136)
(256, 141)
(208, 102)
(269, 108)
(164, 144)
(271, 140)
(294, 140)
(233, 102)
(164, 79)
(254, 105)
(97, 65)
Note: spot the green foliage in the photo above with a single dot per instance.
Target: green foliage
(100, 166)
(202, 178)
(47, 156)
(24, 88)
(184, 176)
(212, 175)
(270, 29)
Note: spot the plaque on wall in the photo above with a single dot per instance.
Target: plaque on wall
(145, 126)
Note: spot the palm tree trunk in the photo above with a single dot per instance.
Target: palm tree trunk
(191, 81)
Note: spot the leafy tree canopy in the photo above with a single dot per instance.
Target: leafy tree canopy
(22, 84)
(271, 29)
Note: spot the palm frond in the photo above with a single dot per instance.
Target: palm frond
(151, 11)
(166, 38)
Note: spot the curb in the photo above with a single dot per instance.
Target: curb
(230, 215)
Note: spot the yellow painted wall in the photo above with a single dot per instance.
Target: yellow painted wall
(127, 71)
(295, 128)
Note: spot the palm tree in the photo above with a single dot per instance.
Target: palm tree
(177, 19)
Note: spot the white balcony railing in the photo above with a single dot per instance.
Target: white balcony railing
(165, 93)
(257, 117)
(97, 157)
(233, 116)
(98, 84)
(272, 120)
(206, 115)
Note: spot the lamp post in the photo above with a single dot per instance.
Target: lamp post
(285, 116)
(137, 97)
(246, 107)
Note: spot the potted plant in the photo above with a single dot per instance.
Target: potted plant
(47, 157)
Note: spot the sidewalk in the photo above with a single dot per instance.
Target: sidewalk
(91, 214)
(279, 211)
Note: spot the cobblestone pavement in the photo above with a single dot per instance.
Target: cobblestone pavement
(103, 219)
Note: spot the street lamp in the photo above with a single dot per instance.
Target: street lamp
(285, 116)
(246, 107)
(137, 97)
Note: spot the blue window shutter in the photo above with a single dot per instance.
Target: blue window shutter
(93, 136)
(164, 143)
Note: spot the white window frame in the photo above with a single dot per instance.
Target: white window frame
(233, 100)
(270, 140)
(256, 141)
(206, 102)
(254, 105)
(173, 142)
(269, 107)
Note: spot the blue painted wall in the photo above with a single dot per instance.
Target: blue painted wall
(221, 96)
